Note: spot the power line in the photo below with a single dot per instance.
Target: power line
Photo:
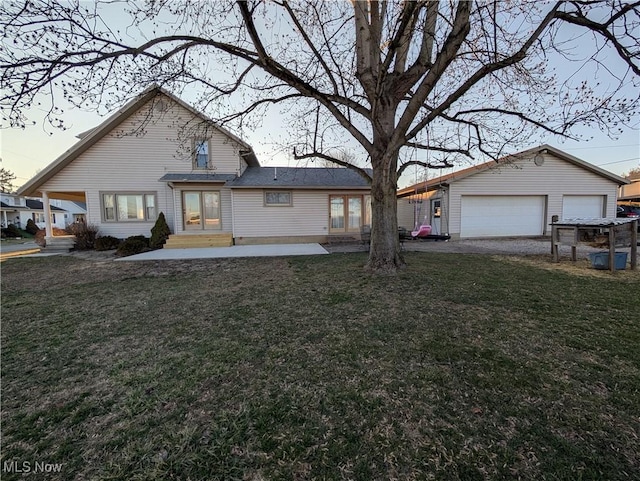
(620, 161)
(601, 147)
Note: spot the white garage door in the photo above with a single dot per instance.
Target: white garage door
(582, 206)
(500, 216)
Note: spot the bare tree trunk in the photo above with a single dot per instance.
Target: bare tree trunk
(384, 252)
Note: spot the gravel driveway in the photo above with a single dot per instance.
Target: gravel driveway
(537, 246)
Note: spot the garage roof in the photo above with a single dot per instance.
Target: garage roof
(434, 183)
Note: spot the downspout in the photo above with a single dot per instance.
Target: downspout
(444, 211)
(233, 218)
(175, 212)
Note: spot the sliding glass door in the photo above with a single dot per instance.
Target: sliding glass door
(201, 210)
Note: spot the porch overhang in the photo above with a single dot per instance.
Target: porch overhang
(196, 178)
(61, 195)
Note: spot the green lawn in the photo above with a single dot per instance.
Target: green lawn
(461, 367)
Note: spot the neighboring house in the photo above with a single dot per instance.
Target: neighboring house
(631, 191)
(158, 154)
(11, 206)
(18, 210)
(75, 211)
(518, 195)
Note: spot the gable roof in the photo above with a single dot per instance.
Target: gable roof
(90, 137)
(433, 184)
(31, 204)
(299, 177)
(38, 205)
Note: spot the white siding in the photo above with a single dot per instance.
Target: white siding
(554, 179)
(133, 157)
(307, 216)
(413, 209)
(582, 206)
(25, 215)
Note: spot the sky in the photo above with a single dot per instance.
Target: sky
(26, 151)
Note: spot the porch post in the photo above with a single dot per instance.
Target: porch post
(47, 214)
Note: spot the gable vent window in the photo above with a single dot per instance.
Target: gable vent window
(128, 207)
(201, 160)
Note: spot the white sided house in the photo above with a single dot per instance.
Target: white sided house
(519, 195)
(158, 154)
(18, 210)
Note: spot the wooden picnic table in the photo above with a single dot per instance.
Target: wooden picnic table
(567, 233)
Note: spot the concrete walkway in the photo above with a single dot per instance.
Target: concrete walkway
(13, 250)
(267, 250)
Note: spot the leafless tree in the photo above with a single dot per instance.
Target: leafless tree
(454, 78)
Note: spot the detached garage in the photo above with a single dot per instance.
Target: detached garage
(515, 196)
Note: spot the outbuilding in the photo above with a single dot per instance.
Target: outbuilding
(518, 195)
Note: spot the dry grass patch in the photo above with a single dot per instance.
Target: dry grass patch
(581, 267)
(460, 367)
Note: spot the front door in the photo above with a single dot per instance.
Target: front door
(201, 210)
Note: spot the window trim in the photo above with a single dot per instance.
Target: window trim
(115, 194)
(278, 204)
(194, 160)
(365, 212)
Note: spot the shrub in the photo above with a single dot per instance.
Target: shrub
(11, 231)
(106, 243)
(160, 232)
(39, 237)
(31, 227)
(86, 235)
(133, 245)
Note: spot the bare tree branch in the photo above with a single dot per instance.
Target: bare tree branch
(321, 155)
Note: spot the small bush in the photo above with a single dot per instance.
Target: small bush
(107, 243)
(86, 235)
(40, 235)
(31, 227)
(133, 245)
(39, 238)
(11, 231)
(160, 232)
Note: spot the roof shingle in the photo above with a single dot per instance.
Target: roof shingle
(299, 177)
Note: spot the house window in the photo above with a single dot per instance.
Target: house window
(38, 217)
(274, 198)
(201, 160)
(128, 207)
